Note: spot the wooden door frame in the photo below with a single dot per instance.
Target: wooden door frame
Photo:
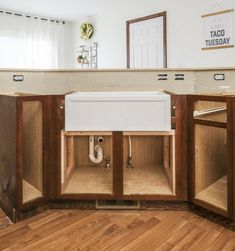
(161, 14)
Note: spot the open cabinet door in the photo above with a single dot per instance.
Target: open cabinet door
(210, 170)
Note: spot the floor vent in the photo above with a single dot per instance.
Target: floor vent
(117, 204)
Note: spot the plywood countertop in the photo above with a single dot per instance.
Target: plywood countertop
(18, 94)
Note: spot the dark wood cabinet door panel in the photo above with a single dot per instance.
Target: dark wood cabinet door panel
(8, 176)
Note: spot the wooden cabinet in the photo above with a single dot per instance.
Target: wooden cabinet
(158, 174)
(42, 166)
(210, 162)
(25, 155)
(150, 174)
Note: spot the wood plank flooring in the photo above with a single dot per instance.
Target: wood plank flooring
(4, 220)
(116, 230)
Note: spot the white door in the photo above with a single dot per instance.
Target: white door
(147, 43)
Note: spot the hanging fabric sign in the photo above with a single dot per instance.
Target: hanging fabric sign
(217, 30)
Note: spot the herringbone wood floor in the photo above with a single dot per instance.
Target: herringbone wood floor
(116, 230)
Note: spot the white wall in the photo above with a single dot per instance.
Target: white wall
(68, 45)
(183, 30)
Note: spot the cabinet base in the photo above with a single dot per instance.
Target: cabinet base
(216, 218)
(143, 205)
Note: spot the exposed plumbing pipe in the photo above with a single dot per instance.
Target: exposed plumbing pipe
(210, 110)
(130, 150)
(130, 162)
(99, 139)
(92, 149)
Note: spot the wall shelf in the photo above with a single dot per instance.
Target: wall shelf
(87, 55)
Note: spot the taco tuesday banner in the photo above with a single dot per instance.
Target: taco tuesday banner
(217, 30)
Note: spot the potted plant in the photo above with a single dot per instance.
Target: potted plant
(80, 59)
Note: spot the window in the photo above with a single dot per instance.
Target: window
(28, 42)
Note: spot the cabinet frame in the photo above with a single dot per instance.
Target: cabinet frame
(53, 123)
(116, 162)
(14, 121)
(20, 152)
(228, 126)
(179, 105)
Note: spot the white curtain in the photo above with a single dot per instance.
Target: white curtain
(30, 43)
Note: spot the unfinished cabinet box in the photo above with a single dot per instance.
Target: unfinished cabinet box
(22, 156)
(158, 174)
(40, 162)
(149, 163)
(83, 170)
(210, 154)
(150, 171)
(211, 165)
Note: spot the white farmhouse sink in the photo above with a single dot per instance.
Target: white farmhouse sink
(117, 111)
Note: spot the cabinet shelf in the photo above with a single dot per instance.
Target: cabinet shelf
(86, 133)
(150, 133)
(90, 179)
(146, 180)
(30, 192)
(88, 53)
(215, 194)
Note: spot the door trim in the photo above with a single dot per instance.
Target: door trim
(161, 14)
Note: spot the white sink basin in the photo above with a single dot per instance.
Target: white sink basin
(117, 111)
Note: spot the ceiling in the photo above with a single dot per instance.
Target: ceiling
(69, 10)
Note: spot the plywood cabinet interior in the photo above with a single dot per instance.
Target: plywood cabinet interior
(211, 165)
(78, 174)
(211, 173)
(152, 166)
(32, 122)
(210, 110)
(152, 172)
